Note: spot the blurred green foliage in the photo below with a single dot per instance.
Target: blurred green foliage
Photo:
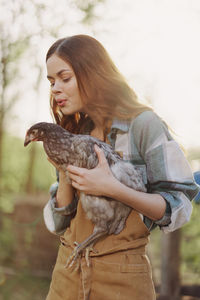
(88, 8)
(23, 286)
(15, 167)
(7, 241)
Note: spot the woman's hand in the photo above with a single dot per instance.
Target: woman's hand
(65, 192)
(95, 181)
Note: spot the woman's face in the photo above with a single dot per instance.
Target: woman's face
(64, 85)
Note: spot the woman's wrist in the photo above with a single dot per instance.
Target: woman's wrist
(111, 188)
(65, 192)
(62, 175)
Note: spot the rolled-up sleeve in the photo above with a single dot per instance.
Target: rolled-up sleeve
(58, 219)
(168, 171)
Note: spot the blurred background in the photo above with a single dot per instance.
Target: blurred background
(156, 46)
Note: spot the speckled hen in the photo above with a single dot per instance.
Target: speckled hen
(64, 148)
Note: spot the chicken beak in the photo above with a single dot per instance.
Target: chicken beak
(27, 140)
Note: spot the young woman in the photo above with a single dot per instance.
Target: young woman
(90, 96)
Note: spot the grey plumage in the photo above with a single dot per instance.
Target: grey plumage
(64, 148)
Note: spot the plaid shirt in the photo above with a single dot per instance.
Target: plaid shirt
(147, 143)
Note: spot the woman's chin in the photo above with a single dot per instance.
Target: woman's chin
(66, 111)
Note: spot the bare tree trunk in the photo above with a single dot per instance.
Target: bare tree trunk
(170, 266)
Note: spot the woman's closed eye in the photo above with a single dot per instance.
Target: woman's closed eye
(66, 79)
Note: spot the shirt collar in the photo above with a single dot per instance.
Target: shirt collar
(122, 125)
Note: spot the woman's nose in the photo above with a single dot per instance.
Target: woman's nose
(56, 87)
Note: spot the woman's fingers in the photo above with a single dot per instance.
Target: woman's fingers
(100, 155)
(91, 181)
(75, 178)
(75, 170)
(75, 185)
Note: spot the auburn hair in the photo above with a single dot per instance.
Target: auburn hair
(104, 91)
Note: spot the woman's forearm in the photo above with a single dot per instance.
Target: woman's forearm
(150, 205)
(65, 192)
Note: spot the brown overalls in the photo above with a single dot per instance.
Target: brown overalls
(119, 271)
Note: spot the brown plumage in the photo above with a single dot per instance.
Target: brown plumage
(64, 148)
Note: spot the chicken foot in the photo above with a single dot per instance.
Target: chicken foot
(87, 244)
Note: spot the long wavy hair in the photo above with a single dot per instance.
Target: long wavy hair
(104, 91)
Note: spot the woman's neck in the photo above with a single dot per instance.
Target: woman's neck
(98, 133)
(101, 130)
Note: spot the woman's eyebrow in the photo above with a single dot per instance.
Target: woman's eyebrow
(59, 73)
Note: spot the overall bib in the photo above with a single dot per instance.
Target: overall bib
(120, 270)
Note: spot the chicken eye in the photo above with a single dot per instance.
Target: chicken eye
(35, 131)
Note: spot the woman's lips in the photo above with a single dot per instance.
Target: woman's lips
(61, 102)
